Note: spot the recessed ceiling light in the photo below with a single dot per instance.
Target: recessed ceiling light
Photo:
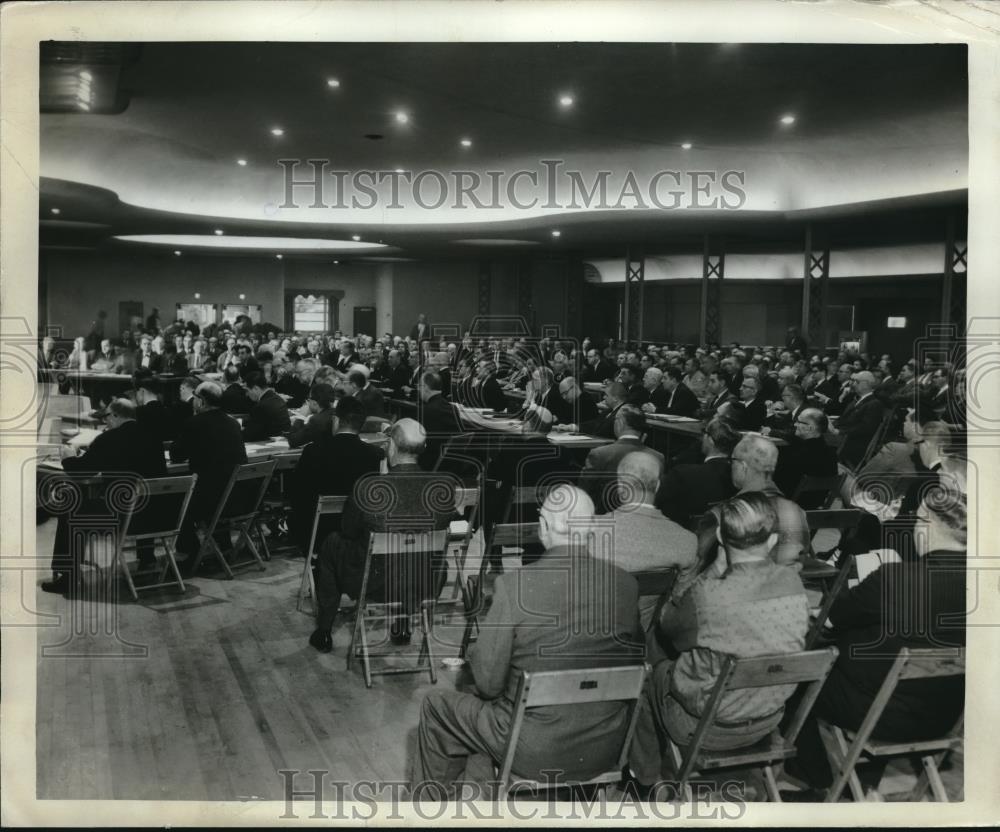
(86, 76)
(219, 232)
(356, 237)
(277, 131)
(466, 142)
(566, 100)
(336, 262)
(177, 252)
(788, 119)
(686, 146)
(55, 211)
(197, 295)
(241, 162)
(332, 82)
(557, 233)
(400, 170)
(279, 256)
(242, 296)
(402, 117)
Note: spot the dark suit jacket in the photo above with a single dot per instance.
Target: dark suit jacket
(268, 417)
(489, 394)
(858, 424)
(688, 490)
(373, 401)
(802, 458)
(317, 425)
(174, 364)
(155, 361)
(236, 400)
(685, 402)
(127, 448)
(289, 385)
(713, 404)
(157, 419)
(397, 378)
(439, 419)
(579, 740)
(417, 335)
(637, 394)
(602, 372)
(752, 414)
(212, 445)
(330, 465)
(603, 426)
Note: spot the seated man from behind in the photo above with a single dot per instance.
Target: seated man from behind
(234, 396)
(689, 489)
(743, 605)
(639, 538)
(405, 499)
(269, 415)
(567, 610)
(601, 465)
(315, 419)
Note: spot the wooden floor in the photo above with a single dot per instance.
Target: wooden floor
(208, 696)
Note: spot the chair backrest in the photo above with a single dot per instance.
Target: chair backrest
(514, 534)
(327, 505)
(811, 667)
(466, 498)
(245, 490)
(576, 687)
(374, 424)
(409, 543)
(656, 581)
(838, 518)
(164, 502)
(286, 462)
(875, 444)
(931, 663)
(829, 487)
(819, 622)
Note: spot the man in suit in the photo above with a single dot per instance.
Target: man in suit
(486, 389)
(687, 490)
(421, 330)
(371, 399)
(269, 415)
(578, 406)
(781, 421)
(604, 424)
(658, 397)
(315, 420)
(577, 741)
(102, 360)
(438, 417)
(234, 396)
(601, 465)
(635, 393)
(860, 420)
(844, 395)
(346, 358)
(643, 538)
(151, 414)
(597, 369)
(751, 410)
(397, 373)
(330, 465)
(807, 454)
(146, 359)
(198, 360)
(399, 501)
(124, 448)
(718, 394)
(680, 401)
(211, 443)
(414, 370)
(543, 394)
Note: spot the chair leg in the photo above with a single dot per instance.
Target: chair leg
(171, 563)
(306, 586)
(771, 783)
(263, 540)
(838, 753)
(366, 667)
(425, 626)
(221, 556)
(245, 536)
(120, 563)
(933, 776)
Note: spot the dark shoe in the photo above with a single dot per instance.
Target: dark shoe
(59, 585)
(400, 637)
(321, 641)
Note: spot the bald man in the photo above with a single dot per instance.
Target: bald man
(566, 610)
(639, 537)
(397, 501)
(860, 420)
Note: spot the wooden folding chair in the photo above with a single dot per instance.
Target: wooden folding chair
(236, 511)
(401, 549)
(568, 688)
(844, 756)
(326, 506)
(810, 667)
(275, 503)
(829, 487)
(876, 442)
(834, 588)
(466, 505)
(659, 582)
(502, 534)
(160, 518)
(839, 519)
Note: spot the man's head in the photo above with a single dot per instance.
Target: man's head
(565, 516)
(106, 346)
(747, 527)
(189, 384)
(569, 389)
(792, 396)
(206, 396)
(844, 372)
(651, 379)
(864, 382)
(811, 423)
(749, 388)
(559, 362)
(120, 411)
(407, 440)
(753, 462)
(541, 380)
(256, 384)
(431, 384)
(630, 421)
(672, 378)
(716, 383)
(484, 369)
(627, 375)
(593, 358)
(321, 397)
(349, 416)
(614, 394)
(719, 438)
(638, 477)
(357, 381)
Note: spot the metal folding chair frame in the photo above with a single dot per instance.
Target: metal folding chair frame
(326, 505)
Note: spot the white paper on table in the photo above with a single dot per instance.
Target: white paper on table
(569, 437)
(867, 562)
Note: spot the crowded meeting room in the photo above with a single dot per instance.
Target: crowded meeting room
(408, 411)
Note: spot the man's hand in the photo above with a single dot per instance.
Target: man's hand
(649, 407)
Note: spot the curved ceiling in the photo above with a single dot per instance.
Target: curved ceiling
(871, 123)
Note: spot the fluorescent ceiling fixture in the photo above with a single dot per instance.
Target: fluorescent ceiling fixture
(336, 262)
(896, 323)
(686, 146)
(356, 238)
(270, 243)
(177, 253)
(402, 117)
(466, 142)
(197, 295)
(566, 100)
(241, 162)
(496, 242)
(557, 233)
(86, 76)
(400, 170)
(332, 82)
(55, 211)
(279, 256)
(277, 131)
(242, 296)
(788, 119)
(219, 232)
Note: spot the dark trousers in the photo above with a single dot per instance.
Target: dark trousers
(67, 548)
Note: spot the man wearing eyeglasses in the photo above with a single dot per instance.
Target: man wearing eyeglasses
(807, 455)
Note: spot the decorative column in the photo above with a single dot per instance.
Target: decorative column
(953, 286)
(713, 269)
(384, 284)
(635, 281)
(815, 284)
